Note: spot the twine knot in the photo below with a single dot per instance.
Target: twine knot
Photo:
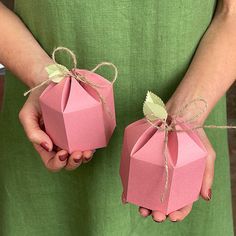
(155, 110)
(58, 72)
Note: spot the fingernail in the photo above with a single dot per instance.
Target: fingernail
(209, 195)
(63, 157)
(123, 199)
(94, 150)
(158, 221)
(45, 146)
(77, 160)
(88, 158)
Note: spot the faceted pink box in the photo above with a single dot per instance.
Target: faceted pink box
(142, 167)
(74, 116)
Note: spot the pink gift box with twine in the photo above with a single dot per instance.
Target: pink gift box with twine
(78, 107)
(161, 170)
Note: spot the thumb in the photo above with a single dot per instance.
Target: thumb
(29, 118)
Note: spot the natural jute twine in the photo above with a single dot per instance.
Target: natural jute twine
(75, 74)
(166, 127)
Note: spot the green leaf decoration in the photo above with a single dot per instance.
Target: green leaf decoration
(154, 108)
(56, 72)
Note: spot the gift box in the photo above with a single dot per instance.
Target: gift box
(143, 167)
(78, 115)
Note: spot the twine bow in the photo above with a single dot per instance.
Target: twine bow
(154, 109)
(57, 72)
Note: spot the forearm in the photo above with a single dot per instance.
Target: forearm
(213, 68)
(20, 52)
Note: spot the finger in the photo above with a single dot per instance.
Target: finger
(158, 216)
(74, 161)
(180, 214)
(144, 212)
(53, 161)
(29, 119)
(56, 148)
(209, 168)
(123, 199)
(208, 177)
(87, 156)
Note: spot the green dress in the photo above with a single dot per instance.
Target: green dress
(152, 43)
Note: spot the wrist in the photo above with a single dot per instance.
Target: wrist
(38, 73)
(188, 108)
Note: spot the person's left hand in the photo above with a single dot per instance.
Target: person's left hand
(180, 214)
(205, 193)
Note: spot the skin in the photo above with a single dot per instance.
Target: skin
(217, 50)
(19, 43)
(210, 75)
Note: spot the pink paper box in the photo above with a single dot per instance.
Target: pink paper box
(74, 116)
(142, 167)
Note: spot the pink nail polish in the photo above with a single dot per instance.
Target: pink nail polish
(209, 194)
(87, 159)
(45, 146)
(158, 221)
(77, 160)
(63, 157)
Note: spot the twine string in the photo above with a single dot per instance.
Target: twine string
(37, 86)
(166, 163)
(172, 128)
(75, 74)
(67, 50)
(186, 106)
(107, 64)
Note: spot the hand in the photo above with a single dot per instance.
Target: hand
(53, 157)
(180, 214)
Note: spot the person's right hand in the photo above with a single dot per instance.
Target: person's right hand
(53, 157)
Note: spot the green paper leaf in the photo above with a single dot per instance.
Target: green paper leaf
(154, 108)
(56, 72)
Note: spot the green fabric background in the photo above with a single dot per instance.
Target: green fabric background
(152, 43)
